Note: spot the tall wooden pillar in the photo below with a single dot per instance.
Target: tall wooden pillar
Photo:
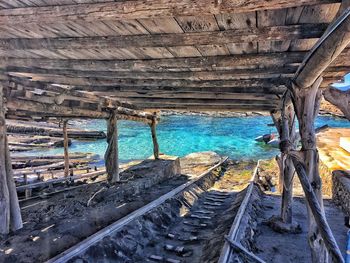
(111, 155)
(286, 129)
(306, 104)
(287, 144)
(65, 146)
(10, 213)
(154, 137)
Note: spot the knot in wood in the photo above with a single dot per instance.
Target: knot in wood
(285, 146)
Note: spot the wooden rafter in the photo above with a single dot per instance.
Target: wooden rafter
(140, 9)
(289, 32)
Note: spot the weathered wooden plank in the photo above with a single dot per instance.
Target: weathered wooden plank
(52, 110)
(240, 92)
(200, 101)
(206, 107)
(194, 94)
(47, 74)
(205, 63)
(140, 9)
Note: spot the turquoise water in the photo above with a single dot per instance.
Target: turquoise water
(181, 135)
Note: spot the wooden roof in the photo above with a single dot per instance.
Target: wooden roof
(165, 54)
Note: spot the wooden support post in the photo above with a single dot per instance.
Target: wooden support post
(65, 146)
(154, 137)
(111, 155)
(306, 103)
(10, 215)
(286, 129)
(317, 212)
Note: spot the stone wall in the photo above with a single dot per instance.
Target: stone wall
(341, 190)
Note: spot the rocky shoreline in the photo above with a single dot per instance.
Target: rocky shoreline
(222, 114)
(326, 109)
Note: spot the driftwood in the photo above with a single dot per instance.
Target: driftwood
(10, 216)
(111, 155)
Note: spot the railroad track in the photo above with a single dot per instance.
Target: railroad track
(180, 226)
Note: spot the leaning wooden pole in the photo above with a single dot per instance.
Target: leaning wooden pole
(111, 155)
(65, 146)
(154, 137)
(10, 215)
(317, 211)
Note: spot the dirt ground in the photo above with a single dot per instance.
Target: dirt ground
(55, 224)
(274, 247)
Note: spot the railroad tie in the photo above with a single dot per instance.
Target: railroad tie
(179, 250)
(216, 200)
(199, 216)
(212, 204)
(205, 212)
(195, 224)
(162, 259)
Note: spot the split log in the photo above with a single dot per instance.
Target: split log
(318, 213)
(154, 137)
(65, 146)
(82, 12)
(111, 155)
(340, 99)
(10, 216)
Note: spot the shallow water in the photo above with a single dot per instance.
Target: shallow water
(181, 135)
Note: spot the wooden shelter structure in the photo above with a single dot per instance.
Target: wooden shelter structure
(112, 59)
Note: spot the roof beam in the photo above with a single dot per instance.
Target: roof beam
(138, 9)
(325, 51)
(117, 84)
(184, 95)
(42, 74)
(207, 107)
(161, 65)
(290, 32)
(210, 101)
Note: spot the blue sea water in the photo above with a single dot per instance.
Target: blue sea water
(181, 135)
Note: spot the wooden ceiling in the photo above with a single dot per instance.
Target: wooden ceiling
(165, 54)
